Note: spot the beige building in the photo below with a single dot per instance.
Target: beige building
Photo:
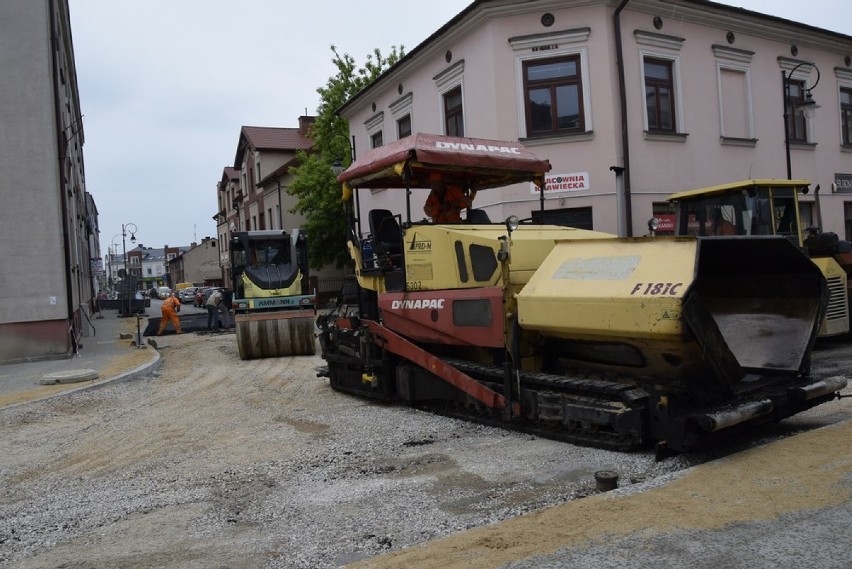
(198, 265)
(48, 222)
(630, 101)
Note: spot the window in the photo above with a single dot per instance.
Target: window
(796, 127)
(734, 103)
(453, 113)
(403, 126)
(269, 217)
(847, 215)
(553, 95)
(659, 95)
(376, 139)
(846, 116)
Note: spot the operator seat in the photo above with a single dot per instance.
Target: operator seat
(387, 236)
(478, 216)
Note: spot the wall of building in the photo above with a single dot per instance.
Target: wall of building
(484, 55)
(47, 224)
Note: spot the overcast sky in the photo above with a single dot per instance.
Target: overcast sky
(165, 86)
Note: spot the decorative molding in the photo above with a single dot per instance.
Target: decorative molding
(843, 73)
(548, 39)
(660, 41)
(558, 138)
(401, 106)
(666, 136)
(732, 53)
(374, 123)
(449, 75)
(734, 141)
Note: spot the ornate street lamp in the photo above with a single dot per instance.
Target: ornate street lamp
(125, 227)
(808, 106)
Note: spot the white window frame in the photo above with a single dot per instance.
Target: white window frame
(680, 123)
(667, 48)
(374, 125)
(844, 81)
(446, 81)
(547, 46)
(399, 109)
(720, 67)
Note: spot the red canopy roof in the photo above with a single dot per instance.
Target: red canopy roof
(473, 163)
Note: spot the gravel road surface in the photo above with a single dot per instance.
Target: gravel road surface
(218, 462)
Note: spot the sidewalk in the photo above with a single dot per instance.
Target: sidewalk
(105, 354)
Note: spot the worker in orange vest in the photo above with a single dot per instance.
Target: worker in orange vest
(445, 202)
(170, 308)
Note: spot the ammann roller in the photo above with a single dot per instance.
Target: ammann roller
(274, 311)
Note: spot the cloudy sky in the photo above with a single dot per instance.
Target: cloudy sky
(165, 86)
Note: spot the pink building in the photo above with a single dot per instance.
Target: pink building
(630, 101)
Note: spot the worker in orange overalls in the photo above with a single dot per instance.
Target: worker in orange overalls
(170, 308)
(445, 203)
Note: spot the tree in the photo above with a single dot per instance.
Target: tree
(317, 192)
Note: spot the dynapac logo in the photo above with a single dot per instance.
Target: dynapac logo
(418, 243)
(419, 304)
(443, 144)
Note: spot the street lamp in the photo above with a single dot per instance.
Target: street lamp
(125, 227)
(112, 251)
(807, 105)
(337, 167)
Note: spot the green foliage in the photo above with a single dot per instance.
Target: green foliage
(314, 185)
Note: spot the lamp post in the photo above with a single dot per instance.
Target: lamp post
(125, 227)
(808, 106)
(337, 168)
(113, 247)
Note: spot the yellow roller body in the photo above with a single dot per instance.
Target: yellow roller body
(276, 334)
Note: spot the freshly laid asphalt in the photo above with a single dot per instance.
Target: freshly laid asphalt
(784, 504)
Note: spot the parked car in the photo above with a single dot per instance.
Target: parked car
(163, 292)
(187, 295)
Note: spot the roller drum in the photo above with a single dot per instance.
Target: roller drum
(274, 335)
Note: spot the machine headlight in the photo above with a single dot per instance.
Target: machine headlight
(512, 223)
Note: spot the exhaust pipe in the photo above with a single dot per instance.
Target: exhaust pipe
(818, 389)
(712, 422)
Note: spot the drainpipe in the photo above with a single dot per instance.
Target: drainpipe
(627, 216)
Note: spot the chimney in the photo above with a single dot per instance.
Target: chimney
(305, 123)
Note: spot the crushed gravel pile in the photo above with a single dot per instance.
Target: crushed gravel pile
(218, 462)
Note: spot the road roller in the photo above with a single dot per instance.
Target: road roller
(566, 333)
(273, 307)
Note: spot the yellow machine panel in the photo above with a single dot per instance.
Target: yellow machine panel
(601, 287)
(459, 256)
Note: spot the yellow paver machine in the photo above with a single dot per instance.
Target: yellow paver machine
(567, 333)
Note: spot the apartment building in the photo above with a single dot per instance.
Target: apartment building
(48, 222)
(629, 101)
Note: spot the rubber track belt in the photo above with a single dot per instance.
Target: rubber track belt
(395, 343)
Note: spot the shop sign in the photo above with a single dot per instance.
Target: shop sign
(843, 183)
(561, 183)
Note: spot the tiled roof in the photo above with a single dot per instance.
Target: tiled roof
(272, 138)
(230, 174)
